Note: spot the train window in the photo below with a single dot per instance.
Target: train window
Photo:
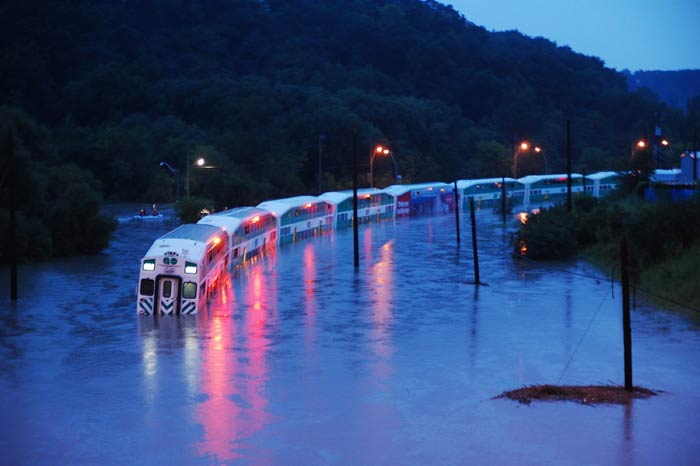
(235, 253)
(189, 290)
(246, 229)
(167, 289)
(147, 287)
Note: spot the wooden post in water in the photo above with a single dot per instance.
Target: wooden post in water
(456, 203)
(626, 327)
(477, 281)
(9, 150)
(503, 198)
(569, 199)
(355, 233)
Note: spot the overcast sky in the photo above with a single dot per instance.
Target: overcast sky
(632, 34)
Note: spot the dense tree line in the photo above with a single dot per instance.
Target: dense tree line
(260, 88)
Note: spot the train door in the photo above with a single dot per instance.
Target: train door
(168, 299)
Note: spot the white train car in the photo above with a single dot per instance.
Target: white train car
(487, 191)
(250, 231)
(181, 268)
(300, 217)
(421, 199)
(539, 188)
(372, 205)
(602, 183)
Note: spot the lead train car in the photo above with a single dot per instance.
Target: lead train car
(180, 269)
(250, 231)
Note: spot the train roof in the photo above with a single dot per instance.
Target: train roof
(336, 197)
(601, 175)
(280, 207)
(462, 184)
(190, 241)
(232, 219)
(529, 179)
(399, 189)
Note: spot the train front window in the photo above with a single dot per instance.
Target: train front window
(189, 290)
(147, 287)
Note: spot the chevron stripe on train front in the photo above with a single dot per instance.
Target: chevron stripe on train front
(145, 306)
(167, 308)
(189, 308)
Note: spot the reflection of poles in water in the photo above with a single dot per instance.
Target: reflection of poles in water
(473, 347)
(628, 420)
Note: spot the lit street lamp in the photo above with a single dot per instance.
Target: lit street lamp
(381, 151)
(524, 147)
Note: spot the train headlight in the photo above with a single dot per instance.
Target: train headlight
(190, 267)
(149, 265)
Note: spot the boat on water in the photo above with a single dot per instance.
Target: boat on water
(147, 218)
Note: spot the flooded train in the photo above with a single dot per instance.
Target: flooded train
(183, 267)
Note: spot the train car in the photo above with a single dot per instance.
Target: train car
(540, 188)
(250, 231)
(421, 199)
(299, 217)
(181, 268)
(601, 183)
(373, 205)
(487, 191)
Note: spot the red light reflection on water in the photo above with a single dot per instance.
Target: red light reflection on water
(383, 274)
(310, 302)
(233, 370)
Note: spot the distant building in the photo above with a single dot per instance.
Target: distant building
(687, 160)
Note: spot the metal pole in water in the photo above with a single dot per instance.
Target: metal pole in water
(355, 234)
(12, 175)
(457, 212)
(695, 154)
(626, 328)
(569, 200)
(503, 198)
(474, 247)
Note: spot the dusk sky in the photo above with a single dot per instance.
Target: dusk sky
(632, 34)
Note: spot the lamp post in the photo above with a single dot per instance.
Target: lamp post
(539, 150)
(176, 174)
(197, 163)
(382, 151)
(523, 146)
(320, 163)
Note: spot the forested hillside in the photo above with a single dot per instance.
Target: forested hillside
(675, 88)
(259, 88)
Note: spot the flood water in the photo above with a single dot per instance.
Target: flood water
(302, 360)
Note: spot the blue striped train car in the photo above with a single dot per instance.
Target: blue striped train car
(373, 205)
(299, 217)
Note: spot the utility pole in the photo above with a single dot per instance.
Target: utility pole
(457, 212)
(320, 163)
(626, 326)
(355, 232)
(12, 185)
(569, 199)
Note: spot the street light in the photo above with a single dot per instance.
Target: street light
(381, 151)
(524, 147)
